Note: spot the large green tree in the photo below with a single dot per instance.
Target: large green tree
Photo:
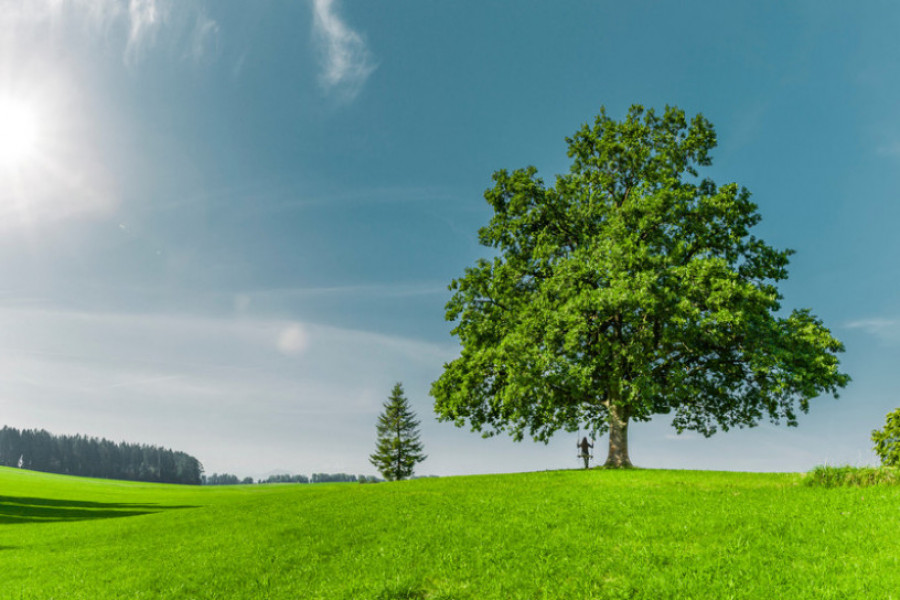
(398, 447)
(630, 288)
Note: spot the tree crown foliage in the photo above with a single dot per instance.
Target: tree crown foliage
(631, 285)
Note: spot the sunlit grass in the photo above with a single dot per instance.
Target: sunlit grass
(564, 534)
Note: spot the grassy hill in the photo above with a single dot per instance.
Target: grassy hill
(565, 534)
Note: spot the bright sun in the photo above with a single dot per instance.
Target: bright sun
(18, 133)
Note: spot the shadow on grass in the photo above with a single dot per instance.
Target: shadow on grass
(43, 510)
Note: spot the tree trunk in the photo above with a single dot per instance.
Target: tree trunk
(618, 439)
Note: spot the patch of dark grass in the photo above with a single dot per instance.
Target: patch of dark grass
(17, 509)
(403, 592)
(847, 476)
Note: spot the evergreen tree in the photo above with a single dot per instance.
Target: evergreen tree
(398, 448)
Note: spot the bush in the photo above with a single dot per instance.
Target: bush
(887, 440)
(847, 476)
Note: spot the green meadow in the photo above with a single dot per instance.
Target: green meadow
(562, 534)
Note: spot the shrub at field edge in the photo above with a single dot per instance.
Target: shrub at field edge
(847, 476)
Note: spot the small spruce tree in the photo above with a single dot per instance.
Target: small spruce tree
(398, 448)
(887, 440)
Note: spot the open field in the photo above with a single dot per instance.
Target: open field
(564, 534)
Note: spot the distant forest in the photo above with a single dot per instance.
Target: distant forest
(229, 479)
(39, 450)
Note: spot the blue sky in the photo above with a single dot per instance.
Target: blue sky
(229, 226)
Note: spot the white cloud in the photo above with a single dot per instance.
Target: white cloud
(346, 61)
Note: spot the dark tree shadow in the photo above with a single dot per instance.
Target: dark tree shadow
(15, 509)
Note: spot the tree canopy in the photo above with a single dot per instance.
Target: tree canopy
(631, 287)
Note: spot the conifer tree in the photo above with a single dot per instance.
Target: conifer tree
(398, 448)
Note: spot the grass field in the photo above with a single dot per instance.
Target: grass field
(564, 534)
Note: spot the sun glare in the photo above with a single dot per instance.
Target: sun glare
(18, 133)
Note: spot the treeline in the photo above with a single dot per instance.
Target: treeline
(224, 479)
(333, 478)
(285, 479)
(39, 450)
(228, 479)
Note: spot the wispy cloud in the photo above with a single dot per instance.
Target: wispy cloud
(145, 17)
(144, 24)
(204, 39)
(346, 60)
(886, 329)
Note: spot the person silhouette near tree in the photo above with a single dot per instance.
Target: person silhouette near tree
(585, 448)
